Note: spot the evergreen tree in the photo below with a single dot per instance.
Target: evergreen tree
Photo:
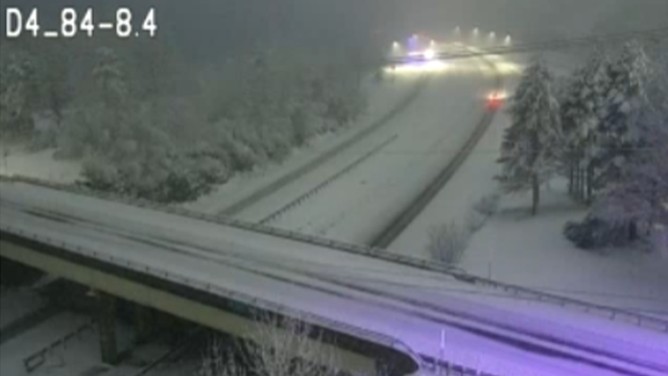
(18, 86)
(529, 152)
(634, 199)
(581, 109)
(54, 74)
(640, 195)
(618, 133)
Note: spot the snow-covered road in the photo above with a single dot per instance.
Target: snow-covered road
(487, 332)
(354, 195)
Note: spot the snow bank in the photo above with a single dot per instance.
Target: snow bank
(516, 248)
(18, 160)
(16, 303)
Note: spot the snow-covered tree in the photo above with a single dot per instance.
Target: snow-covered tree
(54, 75)
(619, 134)
(18, 86)
(633, 203)
(581, 108)
(640, 193)
(110, 78)
(530, 149)
(104, 117)
(129, 149)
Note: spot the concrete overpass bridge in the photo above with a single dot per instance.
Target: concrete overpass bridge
(385, 309)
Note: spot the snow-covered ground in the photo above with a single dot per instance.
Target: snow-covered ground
(516, 248)
(16, 303)
(78, 356)
(533, 252)
(20, 160)
(511, 247)
(473, 181)
(374, 179)
(382, 98)
(410, 305)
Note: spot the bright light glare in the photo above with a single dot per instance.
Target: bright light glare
(435, 66)
(508, 41)
(430, 54)
(508, 68)
(431, 64)
(396, 45)
(500, 95)
(476, 31)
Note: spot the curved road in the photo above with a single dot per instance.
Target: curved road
(354, 195)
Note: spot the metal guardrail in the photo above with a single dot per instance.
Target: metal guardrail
(37, 359)
(265, 305)
(406, 101)
(169, 355)
(324, 184)
(612, 313)
(444, 368)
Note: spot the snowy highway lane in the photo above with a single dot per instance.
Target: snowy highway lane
(413, 306)
(354, 195)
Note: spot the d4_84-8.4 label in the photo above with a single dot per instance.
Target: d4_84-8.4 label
(72, 23)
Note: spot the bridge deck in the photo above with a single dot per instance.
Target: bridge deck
(413, 307)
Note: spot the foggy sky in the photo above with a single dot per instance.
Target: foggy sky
(535, 19)
(211, 27)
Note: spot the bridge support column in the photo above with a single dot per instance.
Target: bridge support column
(106, 320)
(143, 323)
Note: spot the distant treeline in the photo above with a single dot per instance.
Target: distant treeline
(150, 120)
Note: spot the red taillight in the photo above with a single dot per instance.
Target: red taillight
(494, 103)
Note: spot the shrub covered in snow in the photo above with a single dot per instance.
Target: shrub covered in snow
(595, 233)
(174, 178)
(447, 243)
(488, 205)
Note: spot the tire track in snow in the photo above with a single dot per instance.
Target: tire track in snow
(324, 229)
(312, 192)
(409, 213)
(286, 179)
(539, 343)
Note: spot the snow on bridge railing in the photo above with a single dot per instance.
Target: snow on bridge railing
(616, 314)
(262, 304)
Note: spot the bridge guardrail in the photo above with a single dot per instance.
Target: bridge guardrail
(260, 303)
(612, 313)
(37, 359)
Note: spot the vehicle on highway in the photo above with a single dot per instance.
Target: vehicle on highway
(496, 99)
(416, 49)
